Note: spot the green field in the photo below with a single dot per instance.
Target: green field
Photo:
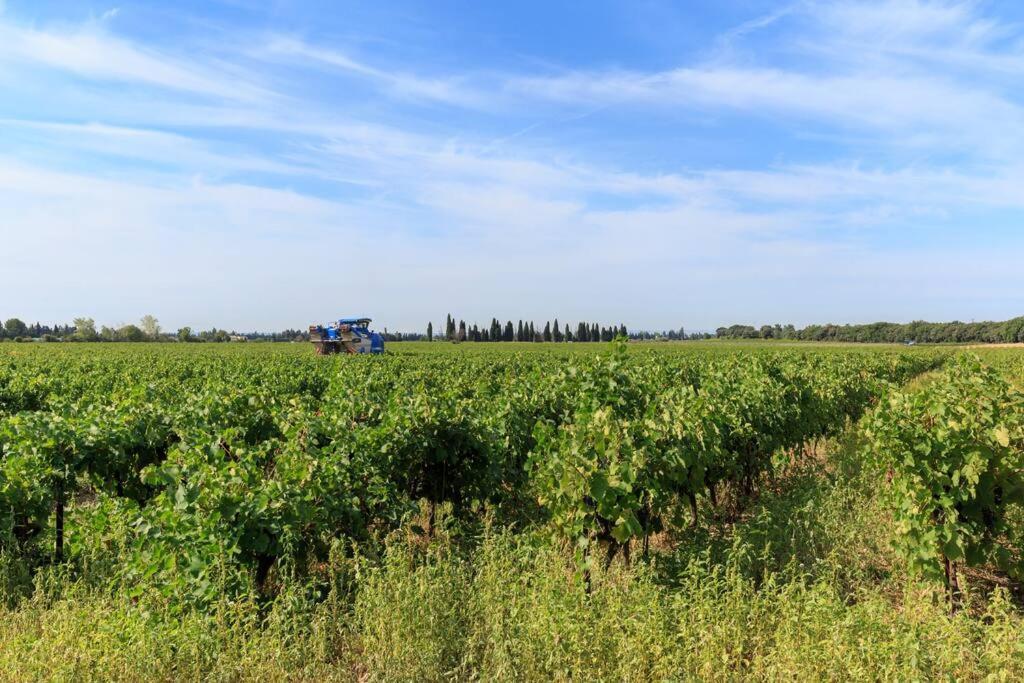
(642, 511)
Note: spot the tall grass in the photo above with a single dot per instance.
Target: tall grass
(802, 586)
(513, 610)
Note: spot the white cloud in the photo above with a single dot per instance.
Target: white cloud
(898, 21)
(902, 110)
(902, 74)
(89, 52)
(167, 150)
(429, 212)
(401, 84)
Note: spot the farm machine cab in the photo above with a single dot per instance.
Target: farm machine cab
(348, 335)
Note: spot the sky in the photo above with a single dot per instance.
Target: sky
(263, 164)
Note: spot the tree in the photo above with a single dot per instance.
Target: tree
(150, 327)
(131, 333)
(185, 334)
(85, 329)
(509, 334)
(15, 328)
(214, 335)
(430, 331)
(462, 331)
(547, 332)
(556, 331)
(519, 332)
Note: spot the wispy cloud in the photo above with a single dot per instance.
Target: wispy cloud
(206, 161)
(398, 83)
(163, 149)
(88, 51)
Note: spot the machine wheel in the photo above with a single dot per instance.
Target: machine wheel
(326, 348)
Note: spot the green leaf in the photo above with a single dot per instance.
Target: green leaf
(621, 532)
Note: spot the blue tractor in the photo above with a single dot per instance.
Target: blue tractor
(348, 335)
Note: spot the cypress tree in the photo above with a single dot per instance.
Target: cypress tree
(430, 331)
(547, 332)
(519, 332)
(556, 331)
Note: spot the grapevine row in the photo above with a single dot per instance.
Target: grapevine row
(229, 469)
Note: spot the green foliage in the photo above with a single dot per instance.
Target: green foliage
(249, 467)
(254, 512)
(955, 454)
(626, 448)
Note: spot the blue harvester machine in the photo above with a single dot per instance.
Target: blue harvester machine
(348, 335)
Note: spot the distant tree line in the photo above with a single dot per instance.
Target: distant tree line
(14, 328)
(669, 335)
(85, 330)
(524, 332)
(148, 329)
(402, 336)
(1009, 331)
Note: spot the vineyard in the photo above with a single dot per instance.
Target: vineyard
(626, 512)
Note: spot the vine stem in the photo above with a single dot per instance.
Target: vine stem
(58, 550)
(952, 585)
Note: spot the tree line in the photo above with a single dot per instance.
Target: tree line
(919, 331)
(668, 335)
(524, 332)
(148, 329)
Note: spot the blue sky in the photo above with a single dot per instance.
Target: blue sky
(262, 164)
